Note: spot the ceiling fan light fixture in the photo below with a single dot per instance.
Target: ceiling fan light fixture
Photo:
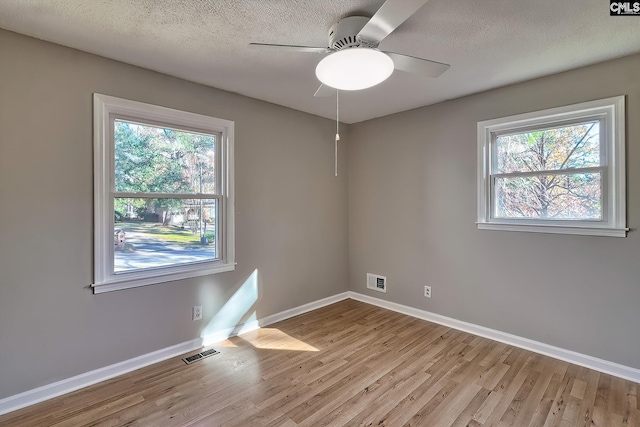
(354, 68)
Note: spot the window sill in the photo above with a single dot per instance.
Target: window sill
(553, 229)
(135, 280)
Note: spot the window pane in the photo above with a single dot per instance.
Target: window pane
(150, 159)
(151, 233)
(575, 146)
(571, 196)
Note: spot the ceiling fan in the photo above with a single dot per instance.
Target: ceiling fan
(354, 61)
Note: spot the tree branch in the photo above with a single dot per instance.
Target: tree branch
(575, 147)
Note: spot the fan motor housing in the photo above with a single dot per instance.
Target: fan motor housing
(343, 34)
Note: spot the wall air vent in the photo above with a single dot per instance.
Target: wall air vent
(199, 356)
(375, 282)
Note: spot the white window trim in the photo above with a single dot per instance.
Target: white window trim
(105, 109)
(612, 112)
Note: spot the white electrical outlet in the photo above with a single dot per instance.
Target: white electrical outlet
(427, 291)
(197, 312)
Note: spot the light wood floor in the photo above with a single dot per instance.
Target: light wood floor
(351, 364)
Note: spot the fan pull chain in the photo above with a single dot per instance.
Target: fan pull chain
(335, 165)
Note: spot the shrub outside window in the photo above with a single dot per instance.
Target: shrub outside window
(554, 171)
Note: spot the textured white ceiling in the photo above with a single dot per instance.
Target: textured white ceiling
(488, 43)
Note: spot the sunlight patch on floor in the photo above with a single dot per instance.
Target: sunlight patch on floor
(275, 339)
(225, 344)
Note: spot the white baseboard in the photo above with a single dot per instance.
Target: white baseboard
(287, 314)
(49, 391)
(591, 362)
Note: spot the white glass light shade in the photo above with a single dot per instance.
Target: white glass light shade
(354, 68)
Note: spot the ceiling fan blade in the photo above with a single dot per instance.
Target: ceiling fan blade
(325, 90)
(411, 64)
(389, 17)
(305, 49)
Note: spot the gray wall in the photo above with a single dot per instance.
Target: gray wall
(291, 215)
(412, 208)
(406, 210)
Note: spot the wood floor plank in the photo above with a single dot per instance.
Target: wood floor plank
(592, 395)
(487, 407)
(559, 403)
(406, 408)
(523, 395)
(375, 411)
(440, 396)
(466, 416)
(451, 408)
(546, 404)
(350, 364)
(531, 403)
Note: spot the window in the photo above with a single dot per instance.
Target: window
(554, 171)
(163, 194)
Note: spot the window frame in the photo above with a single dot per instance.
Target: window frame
(611, 114)
(107, 109)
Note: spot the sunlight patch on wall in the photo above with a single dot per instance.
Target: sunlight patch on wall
(250, 324)
(226, 322)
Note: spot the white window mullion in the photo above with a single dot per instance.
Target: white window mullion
(575, 171)
(126, 195)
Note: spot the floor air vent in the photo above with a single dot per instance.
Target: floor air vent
(199, 356)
